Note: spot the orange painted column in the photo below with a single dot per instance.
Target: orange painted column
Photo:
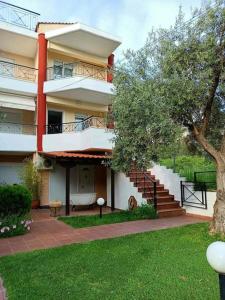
(41, 97)
(110, 66)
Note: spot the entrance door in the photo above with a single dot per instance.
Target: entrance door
(54, 121)
(86, 179)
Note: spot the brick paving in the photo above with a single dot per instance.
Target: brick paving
(48, 232)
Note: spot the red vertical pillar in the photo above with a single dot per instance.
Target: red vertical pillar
(41, 97)
(110, 65)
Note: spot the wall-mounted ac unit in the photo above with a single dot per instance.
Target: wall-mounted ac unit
(43, 163)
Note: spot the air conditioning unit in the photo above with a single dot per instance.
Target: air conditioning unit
(43, 163)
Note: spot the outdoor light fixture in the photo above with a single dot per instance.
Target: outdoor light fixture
(100, 202)
(216, 258)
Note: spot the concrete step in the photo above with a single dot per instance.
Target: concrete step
(167, 205)
(171, 212)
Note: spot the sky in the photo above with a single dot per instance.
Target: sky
(131, 20)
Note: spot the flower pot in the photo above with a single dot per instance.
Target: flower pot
(35, 204)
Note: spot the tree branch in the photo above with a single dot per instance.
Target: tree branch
(205, 144)
(215, 82)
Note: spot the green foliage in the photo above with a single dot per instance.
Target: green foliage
(14, 225)
(174, 84)
(30, 178)
(145, 211)
(187, 165)
(165, 264)
(14, 200)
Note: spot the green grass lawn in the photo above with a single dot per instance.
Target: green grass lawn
(166, 264)
(95, 220)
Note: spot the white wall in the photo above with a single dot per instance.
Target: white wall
(171, 182)
(170, 179)
(57, 183)
(17, 142)
(90, 138)
(123, 190)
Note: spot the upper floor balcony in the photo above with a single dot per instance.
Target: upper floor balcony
(18, 16)
(17, 30)
(92, 133)
(17, 137)
(80, 81)
(18, 78)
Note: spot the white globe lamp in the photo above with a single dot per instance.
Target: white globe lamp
(216, 258)
(100, 202)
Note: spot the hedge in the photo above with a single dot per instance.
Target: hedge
(14, 200)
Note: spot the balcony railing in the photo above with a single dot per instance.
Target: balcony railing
(94, 122)
(78, 68)
(15, 128)
(12, 70)
(18, 16)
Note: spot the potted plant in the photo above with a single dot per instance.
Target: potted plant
(31, 178)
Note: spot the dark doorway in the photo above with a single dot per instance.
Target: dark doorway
(54, 121)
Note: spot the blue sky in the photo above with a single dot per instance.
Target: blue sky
(129, 19)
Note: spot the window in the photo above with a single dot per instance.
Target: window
(10, 121)
(62, 69)
(58, 69)
(80, 122)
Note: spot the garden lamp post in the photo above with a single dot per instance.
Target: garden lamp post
(100, 203)
(216, 258)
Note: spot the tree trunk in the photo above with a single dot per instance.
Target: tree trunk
(218, 222)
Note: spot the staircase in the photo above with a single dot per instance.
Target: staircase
(166, 205)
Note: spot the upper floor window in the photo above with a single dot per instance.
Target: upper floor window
(62, 69)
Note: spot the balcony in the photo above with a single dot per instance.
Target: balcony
(92, 133)
(80, 81)
(18, 78)
(16, 137)
(18, 16)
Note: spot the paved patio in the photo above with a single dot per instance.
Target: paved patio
(47, 232)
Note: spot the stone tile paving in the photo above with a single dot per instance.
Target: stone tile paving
(49, 232)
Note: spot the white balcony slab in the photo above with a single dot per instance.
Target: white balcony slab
(81, 88)
(18, 40)
(84, 38)
(17, 142)
(17, 86)
(90, 138)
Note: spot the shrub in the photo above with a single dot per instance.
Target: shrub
(145, 211)
(14, 200)
(31, 178)
(14, 225)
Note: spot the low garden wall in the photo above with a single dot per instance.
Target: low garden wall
(172, 181)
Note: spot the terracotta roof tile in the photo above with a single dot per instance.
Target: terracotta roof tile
(75, 155)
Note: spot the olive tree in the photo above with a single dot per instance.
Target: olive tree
(172, 87)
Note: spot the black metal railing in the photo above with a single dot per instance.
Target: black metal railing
(95, 122)
(194, 194)
(208, 177)
(149, 186)
(16, 128)
(8, 69)
(67, 70)
(18, 16)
